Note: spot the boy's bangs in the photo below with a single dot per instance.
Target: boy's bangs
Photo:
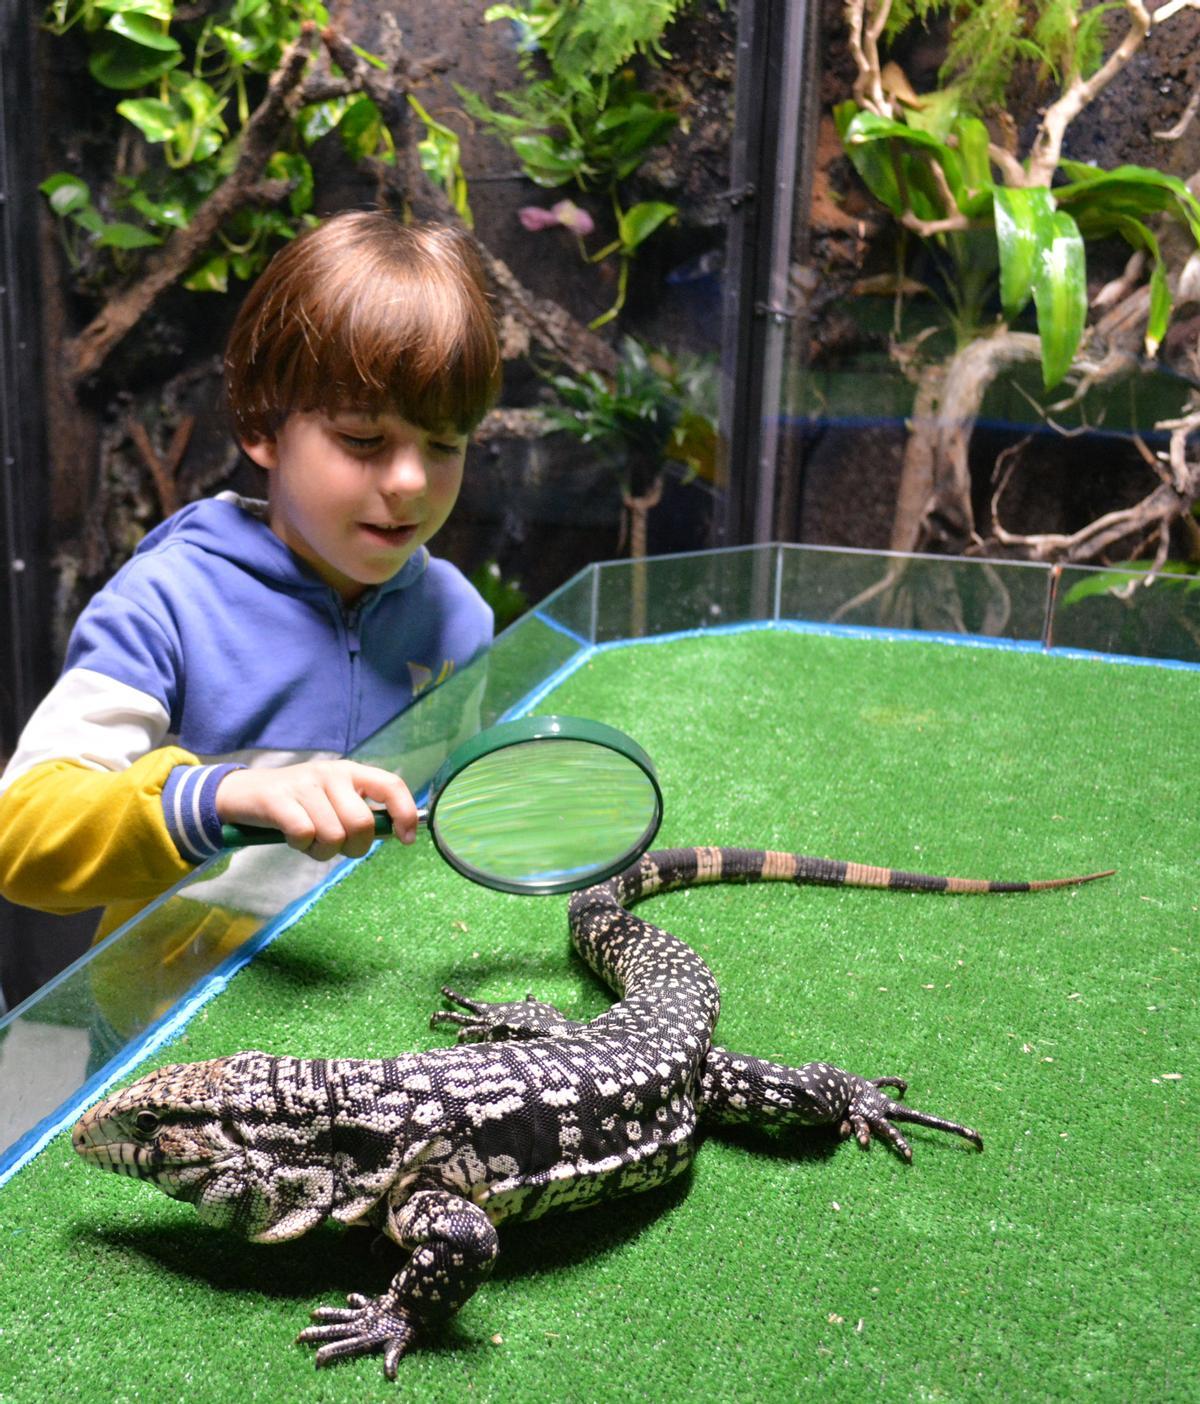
(425, 353)
(367, 314)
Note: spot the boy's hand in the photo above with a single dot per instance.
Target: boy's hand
(321, 806)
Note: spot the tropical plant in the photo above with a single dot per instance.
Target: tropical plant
(187, 82)
(1005, 230)
(580, 116)
(654, 410)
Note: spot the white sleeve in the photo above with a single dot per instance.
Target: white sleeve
(93, 719)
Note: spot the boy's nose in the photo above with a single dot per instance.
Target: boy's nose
(404, 475)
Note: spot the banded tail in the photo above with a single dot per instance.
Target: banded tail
(687, 867)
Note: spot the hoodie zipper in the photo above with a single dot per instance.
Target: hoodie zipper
(351, 623)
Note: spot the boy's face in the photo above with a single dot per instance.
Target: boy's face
(356, 494)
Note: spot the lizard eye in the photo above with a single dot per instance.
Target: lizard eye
(146, 1122)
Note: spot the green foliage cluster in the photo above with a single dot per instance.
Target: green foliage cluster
(988, 38)
(655, 409)
(189, 82)
(933, 162)
(581, 116)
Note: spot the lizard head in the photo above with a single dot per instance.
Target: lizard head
(248, 1145)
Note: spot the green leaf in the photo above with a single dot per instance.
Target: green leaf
(547, 162)
(1139, 236)
(156, 120)
(320, 118)
(65, 192)
(211, 276)
(285, 165)
(1060, 294)
(143, 31)
(117, 63)
(639, 221)
(126, 236)
(172, 213)
(151, 9)
(976, 165)
(1135, 190)
(1024, 229)
(361, 128)
(1160, 309)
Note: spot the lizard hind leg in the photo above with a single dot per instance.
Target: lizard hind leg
(736, 1088)
(494, 1023)
(872, 1110)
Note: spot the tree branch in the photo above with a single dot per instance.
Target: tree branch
(1047, 145)
(87, 352)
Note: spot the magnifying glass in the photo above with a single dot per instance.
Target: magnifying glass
(540, 805)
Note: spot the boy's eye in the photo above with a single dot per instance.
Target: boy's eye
(363, 443)
(446, 448)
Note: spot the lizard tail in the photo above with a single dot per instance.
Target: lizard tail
(665, 869)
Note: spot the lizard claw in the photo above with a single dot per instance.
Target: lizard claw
(873, 1111)
(367, 1326)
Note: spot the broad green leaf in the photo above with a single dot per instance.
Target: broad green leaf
(638, 222)
(126, 236)
(320, 118)
(241, 48)
(65, 192)
(361, 128)
(156, 120)
(141, 30)
(1134, 190)
(1170, 574)
(1060, 294)
(893, 158)
(547, 162)
(1023, 230)
(973, 152)
(211, 276)
(151, 9)
(118, 63)
(169, 212)
(936, 115)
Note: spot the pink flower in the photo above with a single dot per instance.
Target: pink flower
(565, 213)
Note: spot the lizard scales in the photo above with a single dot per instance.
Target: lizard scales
(529, 1113)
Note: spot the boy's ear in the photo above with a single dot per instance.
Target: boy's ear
(262, 452)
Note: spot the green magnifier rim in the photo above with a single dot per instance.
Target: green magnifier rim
(545, 728)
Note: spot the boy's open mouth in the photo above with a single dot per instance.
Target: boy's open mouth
(388, 535)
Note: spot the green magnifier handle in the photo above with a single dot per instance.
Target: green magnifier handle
(249, 835)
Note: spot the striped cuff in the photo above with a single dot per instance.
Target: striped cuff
(189, 803)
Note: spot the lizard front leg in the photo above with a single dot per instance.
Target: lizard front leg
(495, 1023)
(453, 1245)
(738, 1089)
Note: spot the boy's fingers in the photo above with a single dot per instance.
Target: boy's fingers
(388, 789)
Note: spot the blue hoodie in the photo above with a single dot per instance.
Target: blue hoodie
(217, 639)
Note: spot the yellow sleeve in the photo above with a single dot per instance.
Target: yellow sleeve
(73, 837)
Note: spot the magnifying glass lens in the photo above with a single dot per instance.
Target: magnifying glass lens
(544, 814)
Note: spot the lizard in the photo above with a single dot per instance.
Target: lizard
(529, 1112)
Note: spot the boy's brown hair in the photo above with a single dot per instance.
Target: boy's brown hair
(365, 313)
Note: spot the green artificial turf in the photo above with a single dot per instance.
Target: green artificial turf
(1059, 1264)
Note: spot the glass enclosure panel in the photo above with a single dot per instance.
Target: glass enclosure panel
(67, 1031)
(946, 595)
(697, 591)
(65, 1034)
(1116, 611)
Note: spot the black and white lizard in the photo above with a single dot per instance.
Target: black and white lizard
(529, 1114)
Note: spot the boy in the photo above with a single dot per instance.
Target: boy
(245, 644)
